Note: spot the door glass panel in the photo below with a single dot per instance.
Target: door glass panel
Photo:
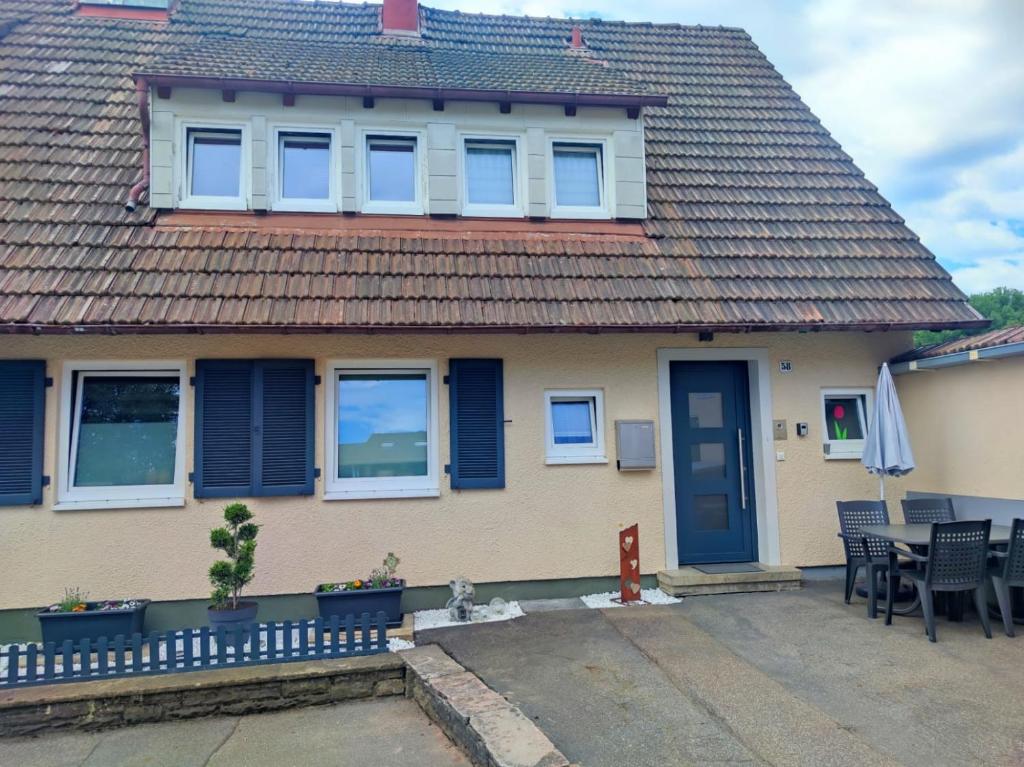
(711, 512)
(707, 460)
(705, 410)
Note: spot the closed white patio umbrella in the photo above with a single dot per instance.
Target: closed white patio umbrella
(887, 450)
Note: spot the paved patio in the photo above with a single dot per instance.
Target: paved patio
(795, 678)
(384, 732)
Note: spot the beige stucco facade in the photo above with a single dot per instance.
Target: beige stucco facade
(962, 426)
(548, 522)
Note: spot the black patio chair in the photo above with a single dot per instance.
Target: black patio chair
(1009, 571)
(863, 550)
(924, 511)
(957, 561)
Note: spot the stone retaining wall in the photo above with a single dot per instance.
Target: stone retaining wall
(229, 692)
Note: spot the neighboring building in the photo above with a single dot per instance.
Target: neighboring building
(962, 400)
(500, 234)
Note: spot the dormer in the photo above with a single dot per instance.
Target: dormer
(395, 126)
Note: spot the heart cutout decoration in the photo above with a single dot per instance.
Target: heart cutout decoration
(627, 542)
(634, 587)
(633, 563)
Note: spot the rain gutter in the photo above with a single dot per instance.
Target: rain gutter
(402, 91)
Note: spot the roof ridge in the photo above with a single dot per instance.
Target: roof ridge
(591, 21)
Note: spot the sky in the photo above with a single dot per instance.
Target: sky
(927, 96)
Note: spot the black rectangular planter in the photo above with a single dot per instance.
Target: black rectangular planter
(92, 624)
(359, 601)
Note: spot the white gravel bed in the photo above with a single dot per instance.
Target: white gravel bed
(436, 619)
(647, 596)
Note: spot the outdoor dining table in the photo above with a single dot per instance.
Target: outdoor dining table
(918, 538)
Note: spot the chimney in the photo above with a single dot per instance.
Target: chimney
(401, 17)
(576, 41)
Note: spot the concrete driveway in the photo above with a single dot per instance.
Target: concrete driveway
(794, 678)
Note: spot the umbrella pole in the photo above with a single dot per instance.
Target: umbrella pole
(881, 487)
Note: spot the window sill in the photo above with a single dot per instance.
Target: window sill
(126, 503)
(564, 460)
(843, 456)
(363, 495)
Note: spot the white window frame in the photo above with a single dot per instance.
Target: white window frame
(519, 173)
(70, 497)
(593, 452)
(845, 449)
(336, 489)
(276, 176)
(391, 207)
(607, 180)
(209, 202)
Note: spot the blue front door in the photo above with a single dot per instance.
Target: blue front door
(715, 519)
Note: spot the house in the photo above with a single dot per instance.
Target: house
(394, 276)
(961, 400)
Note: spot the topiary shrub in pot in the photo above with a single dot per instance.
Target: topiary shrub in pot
(238, 540)
(381, 592)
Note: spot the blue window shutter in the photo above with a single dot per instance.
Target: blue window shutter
(283, 451)
(224, 429)
(22, 400)
(477, 416)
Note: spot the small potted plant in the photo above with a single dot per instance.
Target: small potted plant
(381, 592)
(238, 541)
(74, 617)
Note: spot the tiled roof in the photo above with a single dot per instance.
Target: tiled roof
(393, 63)
(989, 340)
(758, 218)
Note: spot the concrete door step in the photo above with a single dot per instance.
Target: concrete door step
(689, 581)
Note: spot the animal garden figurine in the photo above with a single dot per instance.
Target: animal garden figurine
(460, 606)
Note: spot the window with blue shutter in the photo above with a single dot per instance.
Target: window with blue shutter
(254, 428)
(477, 417)
(22, 400)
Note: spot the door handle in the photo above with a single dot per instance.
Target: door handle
(743, 471)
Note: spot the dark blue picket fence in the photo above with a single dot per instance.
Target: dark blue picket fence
(201, 649)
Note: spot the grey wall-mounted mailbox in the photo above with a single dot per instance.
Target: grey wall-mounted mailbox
(634, 445)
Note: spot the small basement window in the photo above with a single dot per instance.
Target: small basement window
(305, 176)
(124, 438)
(491, 178)
(845, 413)
(574, 421)
(392, 183)
(579, 180)
(214, 170)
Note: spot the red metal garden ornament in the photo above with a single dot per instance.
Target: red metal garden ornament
(629, 564)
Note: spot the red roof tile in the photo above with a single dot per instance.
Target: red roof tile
(758, 219)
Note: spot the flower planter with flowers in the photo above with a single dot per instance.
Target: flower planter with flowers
(76, 618)
(381, 592)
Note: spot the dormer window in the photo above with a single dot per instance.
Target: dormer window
(491, 178)
(306, 174)
(392, 183)
(214, 170)
(578, 178)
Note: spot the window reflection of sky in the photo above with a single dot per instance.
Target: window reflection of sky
(380, 404)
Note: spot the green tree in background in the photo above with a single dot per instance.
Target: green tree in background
(1004, 306)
